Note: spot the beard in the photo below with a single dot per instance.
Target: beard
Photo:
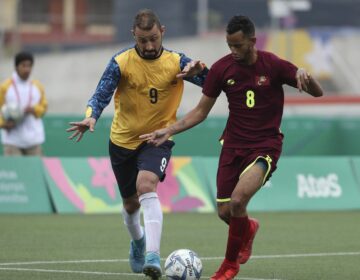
(150, 54)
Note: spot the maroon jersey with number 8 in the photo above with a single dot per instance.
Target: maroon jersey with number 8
(255, 96)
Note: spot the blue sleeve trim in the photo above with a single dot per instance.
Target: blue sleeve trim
(105, 88)
(184, 60)
(199, 79)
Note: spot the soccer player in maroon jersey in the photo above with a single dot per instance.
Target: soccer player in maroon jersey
(252, 81)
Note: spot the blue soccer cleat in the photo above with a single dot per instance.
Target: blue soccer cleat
(152, 266)
(136, 256)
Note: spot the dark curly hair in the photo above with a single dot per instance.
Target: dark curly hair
(23, 56)
(241, 23)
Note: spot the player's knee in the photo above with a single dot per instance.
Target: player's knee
(146, 183)
(131, 204)
(238, 204)
(146, 187)
(224, 213)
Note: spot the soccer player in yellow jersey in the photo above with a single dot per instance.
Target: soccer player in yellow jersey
(148, 83)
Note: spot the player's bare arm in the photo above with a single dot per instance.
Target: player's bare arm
(8, 125)
(29, 110)
(194, 117)
(191, 69)
(79, 128)
(306, 82)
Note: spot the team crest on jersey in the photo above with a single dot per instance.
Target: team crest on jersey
(230, 82)
(262, 80)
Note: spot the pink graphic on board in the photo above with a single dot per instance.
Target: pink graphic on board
(169, 190)
(56, 172)
(173, 197)
(103, 176)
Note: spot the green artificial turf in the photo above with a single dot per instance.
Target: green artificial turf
(291, 245)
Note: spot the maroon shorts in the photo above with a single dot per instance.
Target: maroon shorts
(233, 162)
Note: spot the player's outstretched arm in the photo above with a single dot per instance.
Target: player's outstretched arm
(191, 69)
(194, 117)
(8, 125)
(79, 128)
(306, 82)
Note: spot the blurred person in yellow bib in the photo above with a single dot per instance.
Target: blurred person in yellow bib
(23, 104)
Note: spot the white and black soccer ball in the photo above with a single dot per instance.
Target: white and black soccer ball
(12, 112)
(183, 264)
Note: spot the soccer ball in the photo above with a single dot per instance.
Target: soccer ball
(183, 264)
(12, 112)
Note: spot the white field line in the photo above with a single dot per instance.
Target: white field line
(103, 273)
(4, 268)
(295, 255)
(64, 262)
(202, 258)
(67, 271)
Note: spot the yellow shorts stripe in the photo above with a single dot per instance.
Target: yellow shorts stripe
(267, 159)
(221, 200)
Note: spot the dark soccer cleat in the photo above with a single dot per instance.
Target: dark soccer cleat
(227, 271)
(245, 252)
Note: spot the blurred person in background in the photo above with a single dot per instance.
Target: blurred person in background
(148, 83)
(252, 141)
(23, 104)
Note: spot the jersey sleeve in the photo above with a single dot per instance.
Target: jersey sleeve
(286, 71)
(3, 89)
(213, 83)
(41, 107)
(104, 90)
(199, 79)
(2, 101)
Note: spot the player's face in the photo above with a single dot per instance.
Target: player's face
(241, 46)
(24, 69)
(149, 42)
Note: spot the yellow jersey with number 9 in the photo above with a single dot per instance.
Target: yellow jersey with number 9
(147, 93)
(147, 97)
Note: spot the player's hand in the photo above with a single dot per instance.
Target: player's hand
(303, 79)
(8, 125)
(191, 69)
(79, 128)
(157, 137)
(29, 110)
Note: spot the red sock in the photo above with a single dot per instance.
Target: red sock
(238, 228)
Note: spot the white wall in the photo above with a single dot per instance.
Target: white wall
(70, 78)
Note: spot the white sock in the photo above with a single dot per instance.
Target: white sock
(132, 223)
(153, 218)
